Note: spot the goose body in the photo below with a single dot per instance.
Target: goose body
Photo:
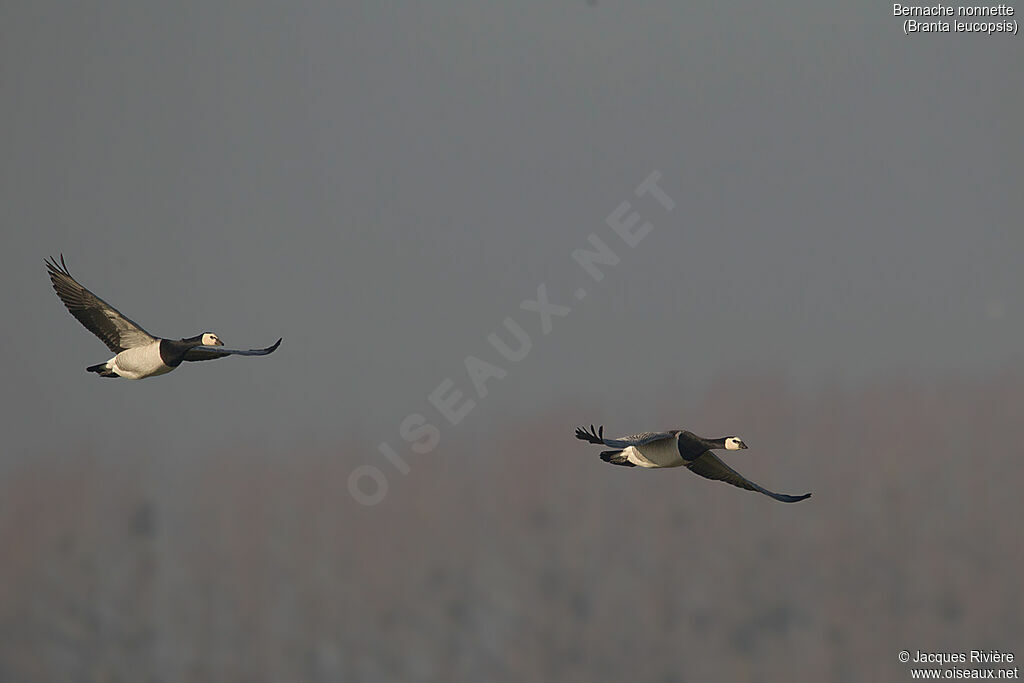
(137, 363)
(138, 354)
(678, 448)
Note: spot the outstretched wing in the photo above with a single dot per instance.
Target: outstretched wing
(215, 352)
(710, 466)
(99, 317)
(597, 436)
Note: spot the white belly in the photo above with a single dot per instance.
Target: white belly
(139, 362)
(662, 453)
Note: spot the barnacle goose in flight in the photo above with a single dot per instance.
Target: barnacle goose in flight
(139, 354)
(678, 448)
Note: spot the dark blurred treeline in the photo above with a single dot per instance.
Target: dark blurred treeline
(525, 558)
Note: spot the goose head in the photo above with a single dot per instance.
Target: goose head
(211, 339)
(734, 443)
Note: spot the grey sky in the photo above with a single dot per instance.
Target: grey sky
(383, 183)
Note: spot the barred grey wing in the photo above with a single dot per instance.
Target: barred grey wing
(113, 328)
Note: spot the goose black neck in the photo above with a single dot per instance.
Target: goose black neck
(172, 351)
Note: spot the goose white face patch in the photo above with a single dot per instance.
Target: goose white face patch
(211, 339)
(734, 443)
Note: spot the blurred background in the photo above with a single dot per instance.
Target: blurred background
(384, 185)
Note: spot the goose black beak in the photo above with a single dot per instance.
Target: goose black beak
(742, 446)
(218, 343)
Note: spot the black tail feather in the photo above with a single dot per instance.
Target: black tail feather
(101, 370)
(616, 458)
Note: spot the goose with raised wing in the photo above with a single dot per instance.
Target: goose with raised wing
(138, 353)
(678, 448)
